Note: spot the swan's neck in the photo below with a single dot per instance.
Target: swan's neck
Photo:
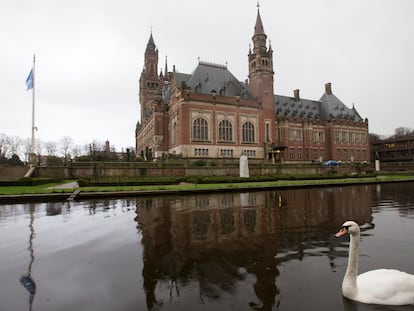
(349, 283)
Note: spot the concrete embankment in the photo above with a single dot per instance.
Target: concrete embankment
(78, 194)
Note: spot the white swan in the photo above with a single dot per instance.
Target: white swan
(383, 286)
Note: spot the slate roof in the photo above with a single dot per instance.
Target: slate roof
(332, 107)
(301, 108)
(208, 78)
(328, 107)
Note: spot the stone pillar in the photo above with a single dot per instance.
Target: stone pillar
(377, 165)
(244, 167)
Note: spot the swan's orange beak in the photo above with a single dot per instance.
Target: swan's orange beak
(341, 232)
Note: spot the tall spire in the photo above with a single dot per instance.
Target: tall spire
(260, 61)
(151, 42)
(258, 28)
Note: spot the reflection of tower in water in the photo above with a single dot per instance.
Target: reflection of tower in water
(27, 280)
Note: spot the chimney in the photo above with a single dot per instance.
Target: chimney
(296, 95)
(328, 88)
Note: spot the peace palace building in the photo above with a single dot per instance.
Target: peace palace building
(209, 113)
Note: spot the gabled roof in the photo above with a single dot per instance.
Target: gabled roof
(332, 107)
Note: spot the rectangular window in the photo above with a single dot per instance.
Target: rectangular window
(249, 153)
(318, 137)
(291, 153)
(344, 137)
(296, 135)
(299, 153)
(322, 154)
(336, 137)
(200, 152)
(267, 132)
(322, 137)
(226, 153)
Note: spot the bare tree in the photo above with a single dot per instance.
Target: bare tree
(26, 148)
(76, 151)
(402, 131)
(3, 145)
(51, 148)
(66, 144)
(15, 144)
(38, 146)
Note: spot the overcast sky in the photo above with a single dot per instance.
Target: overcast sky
(90, 53)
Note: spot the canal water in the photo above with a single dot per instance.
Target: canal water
(269, 250)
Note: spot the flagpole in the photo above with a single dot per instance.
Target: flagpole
(32, 145)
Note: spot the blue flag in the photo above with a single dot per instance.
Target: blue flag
(29, 80)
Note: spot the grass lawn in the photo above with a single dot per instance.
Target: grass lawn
(46, 188)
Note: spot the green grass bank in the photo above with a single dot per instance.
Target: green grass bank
(53, 190)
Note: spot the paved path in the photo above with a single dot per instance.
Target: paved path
(66, 186)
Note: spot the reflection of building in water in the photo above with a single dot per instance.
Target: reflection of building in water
(207, 239)
(396, 195)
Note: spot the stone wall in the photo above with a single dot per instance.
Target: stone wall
(134, 170)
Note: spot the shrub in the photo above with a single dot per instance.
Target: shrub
(199, 163)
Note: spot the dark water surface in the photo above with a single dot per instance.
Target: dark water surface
(270, 250)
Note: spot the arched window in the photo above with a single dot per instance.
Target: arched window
(200, 129)
(225, 131)
(248, 132)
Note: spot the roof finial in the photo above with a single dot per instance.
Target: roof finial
(258, 4)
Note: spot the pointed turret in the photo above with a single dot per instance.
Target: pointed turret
(259, 37)
(261, 77)
(149, 80)
(260, 60)
(151, 59)
(151, 43)
(258, 28)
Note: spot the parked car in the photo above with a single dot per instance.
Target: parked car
(331, 163)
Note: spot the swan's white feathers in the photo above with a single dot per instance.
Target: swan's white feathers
(382, 286)
(385, 286)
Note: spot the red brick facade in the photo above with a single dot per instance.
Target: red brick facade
(210, 114)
